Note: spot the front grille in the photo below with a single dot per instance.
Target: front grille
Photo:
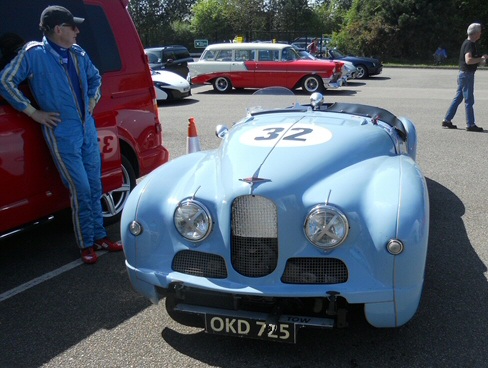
(200, 264)
(315, 271)
(254, 247)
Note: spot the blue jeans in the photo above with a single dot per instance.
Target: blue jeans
(465, 90)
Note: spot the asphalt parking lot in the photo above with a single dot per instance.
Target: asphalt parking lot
(57, 312)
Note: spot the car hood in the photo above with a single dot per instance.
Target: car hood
(286, 153)
(292, 147)
(168, 78)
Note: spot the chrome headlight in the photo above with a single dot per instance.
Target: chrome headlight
(326, 227)
(192, 220)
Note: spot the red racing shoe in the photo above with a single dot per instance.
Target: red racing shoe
(107, 244)
(89, 256)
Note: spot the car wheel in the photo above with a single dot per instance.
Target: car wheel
(185, 319)
(362, 71)
(222, 84)
(113, 202)
(312, 84)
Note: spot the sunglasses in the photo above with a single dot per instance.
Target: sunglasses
(73, 27)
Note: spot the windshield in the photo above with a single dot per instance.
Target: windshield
(271, 98)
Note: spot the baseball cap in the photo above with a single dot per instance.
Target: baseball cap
(55, 15)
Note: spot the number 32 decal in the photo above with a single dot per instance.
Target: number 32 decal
(297, 136)
(273, 133)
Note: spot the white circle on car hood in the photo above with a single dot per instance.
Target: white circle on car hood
(286, 135)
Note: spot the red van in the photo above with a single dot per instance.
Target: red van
(129, 129)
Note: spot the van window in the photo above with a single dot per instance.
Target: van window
(101, 44)
(96, 36)
(209, 55)
(243, 55)
(224, 55)
(10, 44)
(269, 55)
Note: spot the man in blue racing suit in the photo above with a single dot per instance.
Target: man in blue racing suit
(66, 87)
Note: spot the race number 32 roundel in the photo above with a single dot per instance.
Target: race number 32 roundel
(286, 135)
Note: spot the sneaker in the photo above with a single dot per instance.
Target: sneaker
(448, 125)
(474, 128)
(89, 256)
(107, 244)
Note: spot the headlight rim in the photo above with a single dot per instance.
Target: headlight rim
(321, 208)
(206, 212)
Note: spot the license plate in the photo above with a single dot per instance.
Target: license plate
(254, 325)
(250, 328)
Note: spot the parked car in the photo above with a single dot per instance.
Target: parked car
(127, 118)
(366, 67)
(303, 213)
(257, 65)
(170, 86)
(350, 70)
(174, 58)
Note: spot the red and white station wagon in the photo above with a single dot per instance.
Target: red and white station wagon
(258, 65)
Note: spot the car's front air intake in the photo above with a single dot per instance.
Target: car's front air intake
(315, 271)
(254, 236)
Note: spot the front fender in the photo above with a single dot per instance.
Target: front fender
(408, 266)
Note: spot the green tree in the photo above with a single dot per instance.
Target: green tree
(209, 20)
(391, 29)
(146, 14)
(406, 29)
(159, 22)
(298, 18)
(246, 16)
(331, 14)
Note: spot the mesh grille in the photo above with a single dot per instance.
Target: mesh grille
(200, 264)
(315, 271)
(254, 236)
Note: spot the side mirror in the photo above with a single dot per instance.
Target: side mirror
(221, 131)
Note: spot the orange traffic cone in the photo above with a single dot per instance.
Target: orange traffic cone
(192, 142)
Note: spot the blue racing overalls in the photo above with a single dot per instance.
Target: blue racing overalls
(74, 141)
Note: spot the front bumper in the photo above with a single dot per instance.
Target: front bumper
(383, 307)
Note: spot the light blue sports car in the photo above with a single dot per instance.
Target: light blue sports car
(301, 214)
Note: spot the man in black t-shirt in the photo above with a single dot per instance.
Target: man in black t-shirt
(469, 59)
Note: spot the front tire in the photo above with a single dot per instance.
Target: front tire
(312, 84)
(113, 202)
(362, 71)
(222, 85)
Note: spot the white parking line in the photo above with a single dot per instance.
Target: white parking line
(47, 276)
